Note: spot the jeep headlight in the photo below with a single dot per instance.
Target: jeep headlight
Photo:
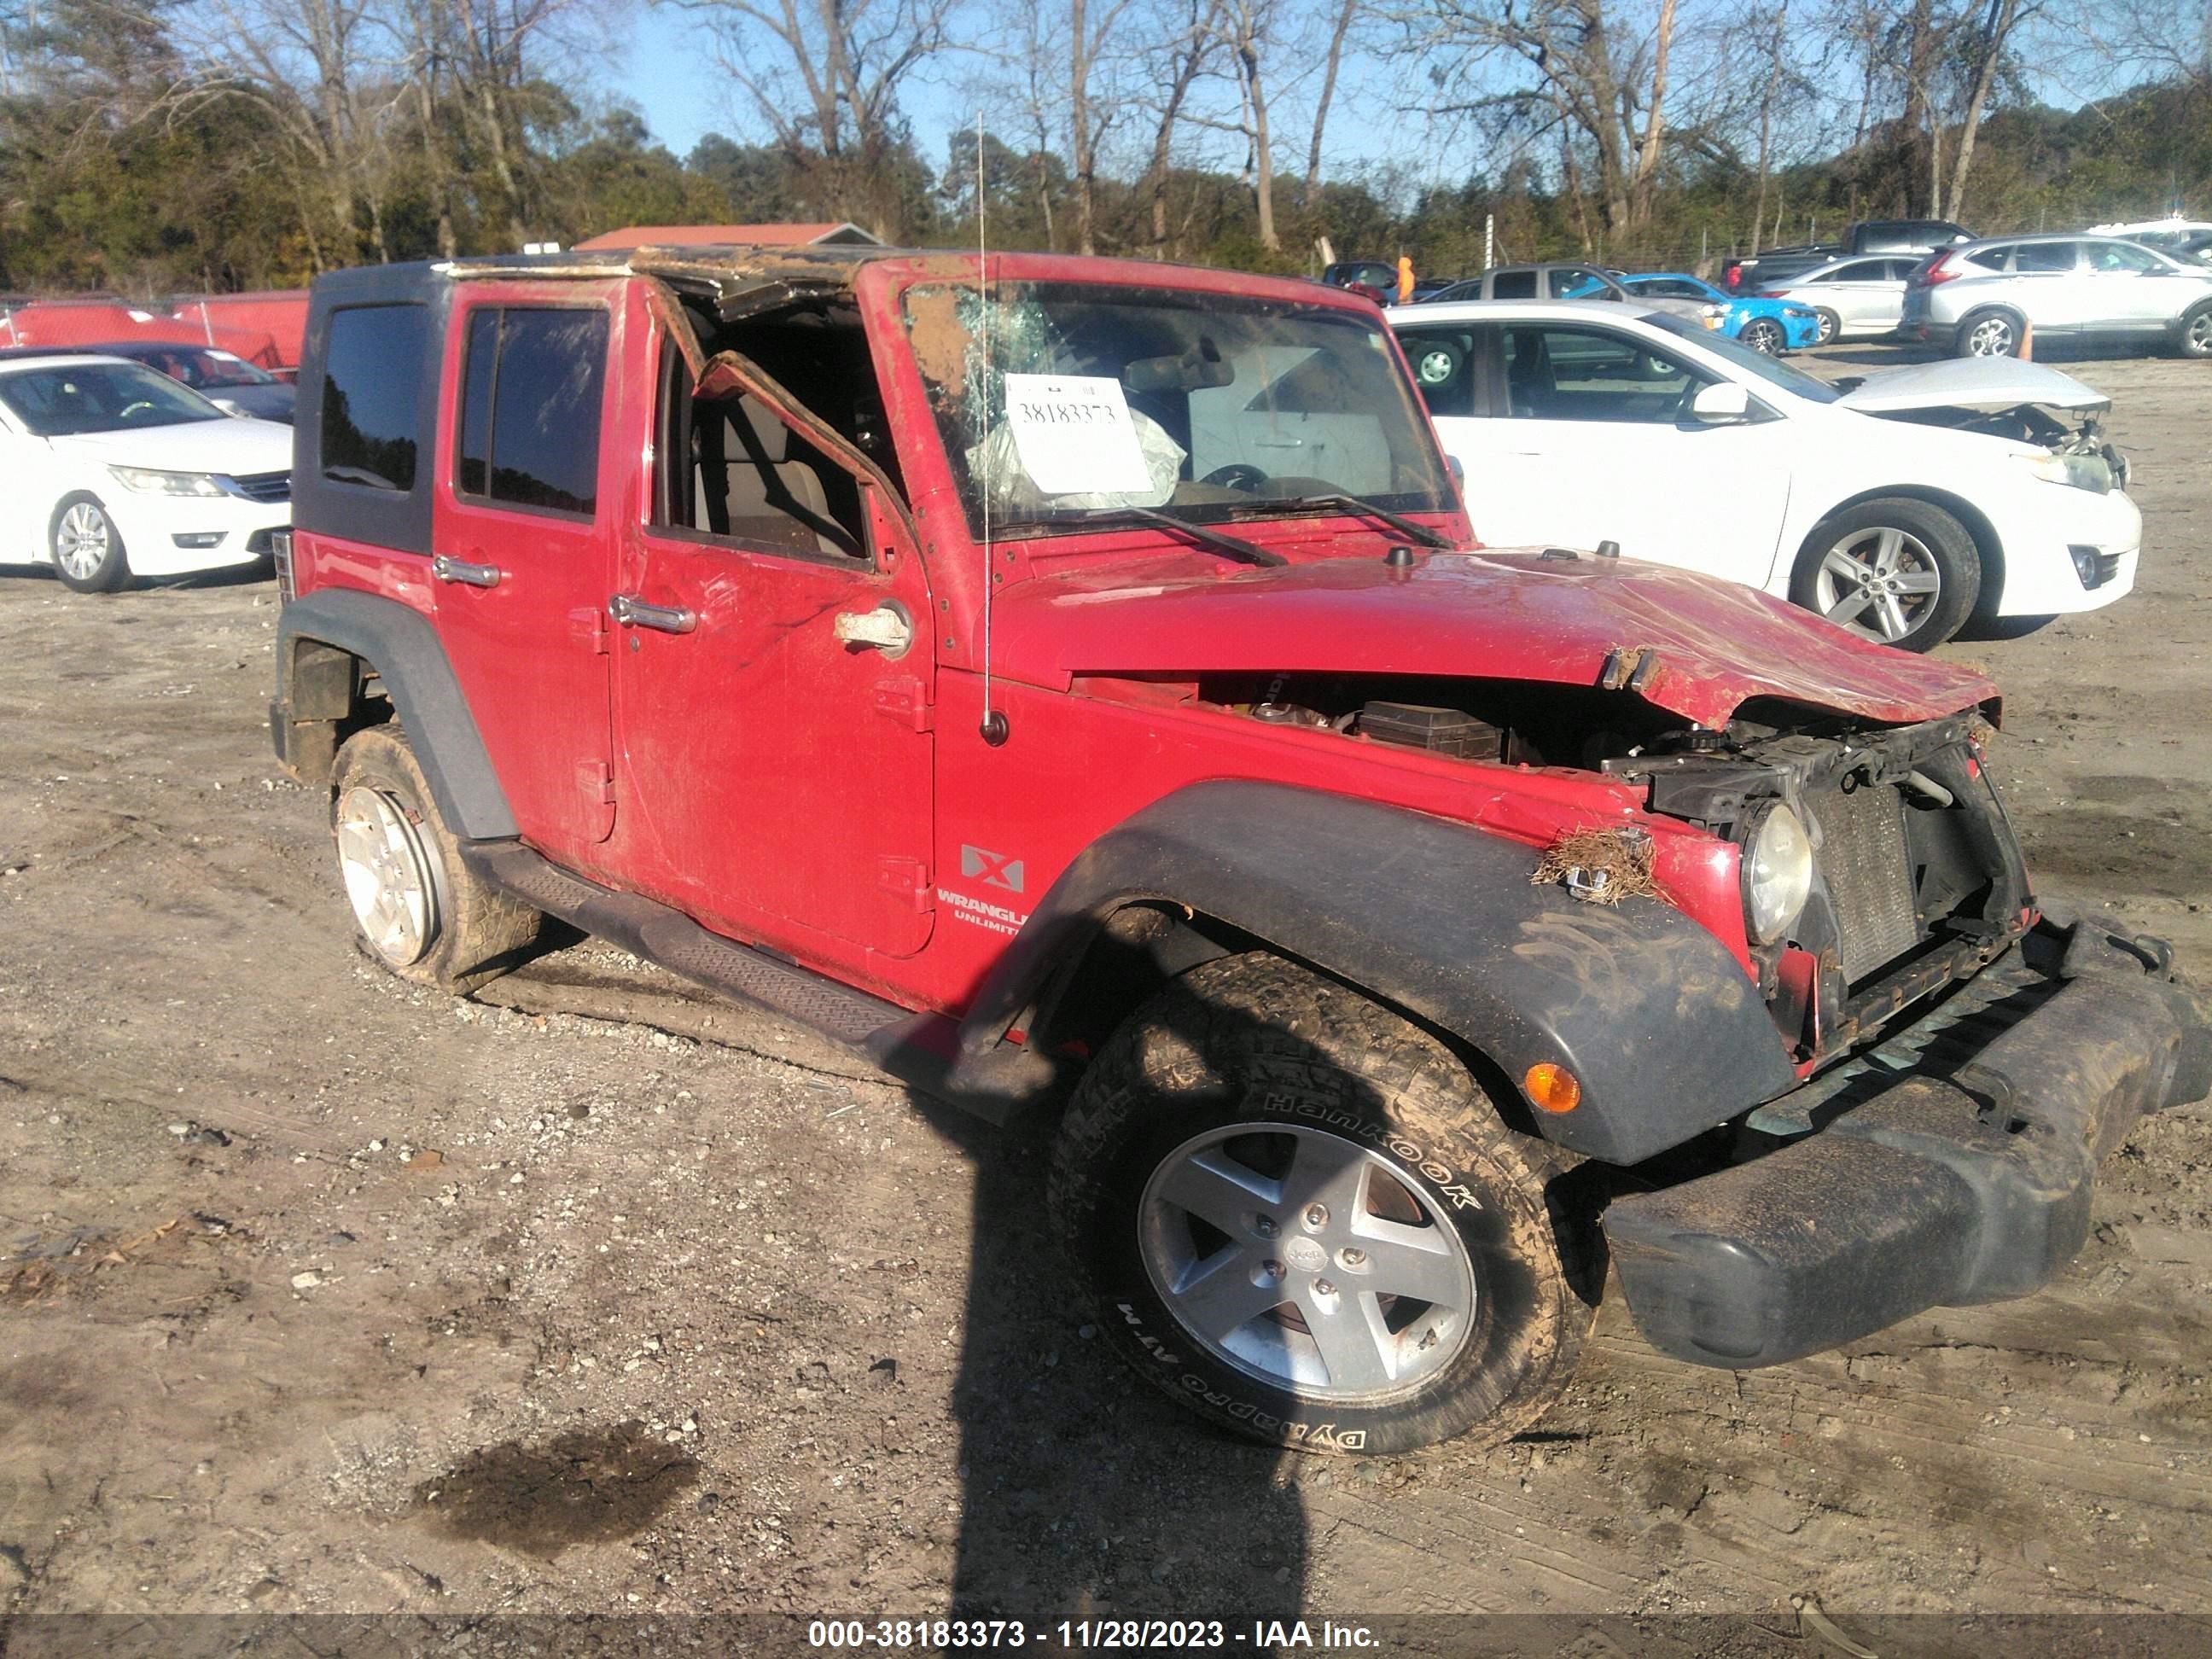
(147, 482)
(1777, 873)
(2082, 472)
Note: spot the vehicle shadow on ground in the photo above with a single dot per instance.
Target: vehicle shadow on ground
(240, 575)
(1086, 1492)
(1872, 355)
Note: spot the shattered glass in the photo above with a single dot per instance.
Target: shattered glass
(1234, 402)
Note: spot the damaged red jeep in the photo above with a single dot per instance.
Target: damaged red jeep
(1075, 684)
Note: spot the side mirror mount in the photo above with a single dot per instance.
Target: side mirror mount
(1722, 404)
(1457, 468)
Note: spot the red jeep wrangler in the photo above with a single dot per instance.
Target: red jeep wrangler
(1074, 682)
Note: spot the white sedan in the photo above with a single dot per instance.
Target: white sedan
(110, 471)
(1898, 507)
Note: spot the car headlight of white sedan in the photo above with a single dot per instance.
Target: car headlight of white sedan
(149, 482)
(2092, 472)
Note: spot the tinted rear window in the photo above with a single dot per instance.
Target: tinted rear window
(371, 374)
(530, 407)
(2043, 256)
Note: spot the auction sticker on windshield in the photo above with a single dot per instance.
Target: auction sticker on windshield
(1074, 436)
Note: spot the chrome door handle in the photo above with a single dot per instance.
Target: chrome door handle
(458, 570)
(630, 611)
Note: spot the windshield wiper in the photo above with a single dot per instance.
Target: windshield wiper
(1236, 546)
(1419, 532)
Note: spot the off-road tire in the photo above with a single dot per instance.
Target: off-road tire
(1765, 336)
(1253, 1039)
(2195, 339)
(1830, 325)
(1991, 318)
(480, 932)
(1958, 561)
(113, 570)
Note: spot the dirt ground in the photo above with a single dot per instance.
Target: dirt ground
(323, 1294)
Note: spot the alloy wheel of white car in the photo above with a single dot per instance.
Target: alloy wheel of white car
(88, 552)
(81, 544)
(1880, 583)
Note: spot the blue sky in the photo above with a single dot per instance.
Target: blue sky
(678, 107)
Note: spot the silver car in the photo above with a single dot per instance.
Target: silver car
(1854, 298)
(1980, 300)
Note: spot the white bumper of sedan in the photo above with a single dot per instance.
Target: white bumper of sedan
(2068, 550)
(174, 535)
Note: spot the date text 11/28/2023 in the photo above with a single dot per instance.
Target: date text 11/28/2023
(1260, 1636)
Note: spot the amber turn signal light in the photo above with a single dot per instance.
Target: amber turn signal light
(1553, 1087)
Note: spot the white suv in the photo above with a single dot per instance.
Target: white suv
(1980, 300)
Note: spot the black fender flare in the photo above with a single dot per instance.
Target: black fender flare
(403, 646)
(1662, 1028)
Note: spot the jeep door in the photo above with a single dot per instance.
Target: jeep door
(773, 677)
(523, 532)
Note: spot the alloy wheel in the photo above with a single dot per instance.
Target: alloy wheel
(2199, 340)
(1880, 583)
(82, 540)
(1764, 337)
(1308, 1261)
(390, 880)
(1435, 367)
(1990, 338)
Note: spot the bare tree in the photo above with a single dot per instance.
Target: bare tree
(825, 75)
(1347, 12)
(1091, 26)
(1246, 27)
(1533, 63)
(325, 74)
(1985, 51)
(1187, 36)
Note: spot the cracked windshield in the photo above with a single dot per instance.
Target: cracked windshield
(1093, 401)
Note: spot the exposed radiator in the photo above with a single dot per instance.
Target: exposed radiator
(1869, 874)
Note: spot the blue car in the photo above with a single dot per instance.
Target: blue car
(1771, 327)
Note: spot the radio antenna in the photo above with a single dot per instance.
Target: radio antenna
(994, 727)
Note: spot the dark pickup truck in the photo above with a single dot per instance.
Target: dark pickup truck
(1753, 271)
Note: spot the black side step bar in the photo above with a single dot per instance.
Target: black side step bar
(881, 1032)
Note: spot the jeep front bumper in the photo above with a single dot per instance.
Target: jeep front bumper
(1955, 1186)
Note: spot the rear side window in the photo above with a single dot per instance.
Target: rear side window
(1513, 285)
(1989, 258)
(372, 376)
(2043, 256)
(530, 407)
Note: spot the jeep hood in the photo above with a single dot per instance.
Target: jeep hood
(1971, 383)
(1503, 615)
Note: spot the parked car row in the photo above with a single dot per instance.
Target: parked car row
(1925, 281)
